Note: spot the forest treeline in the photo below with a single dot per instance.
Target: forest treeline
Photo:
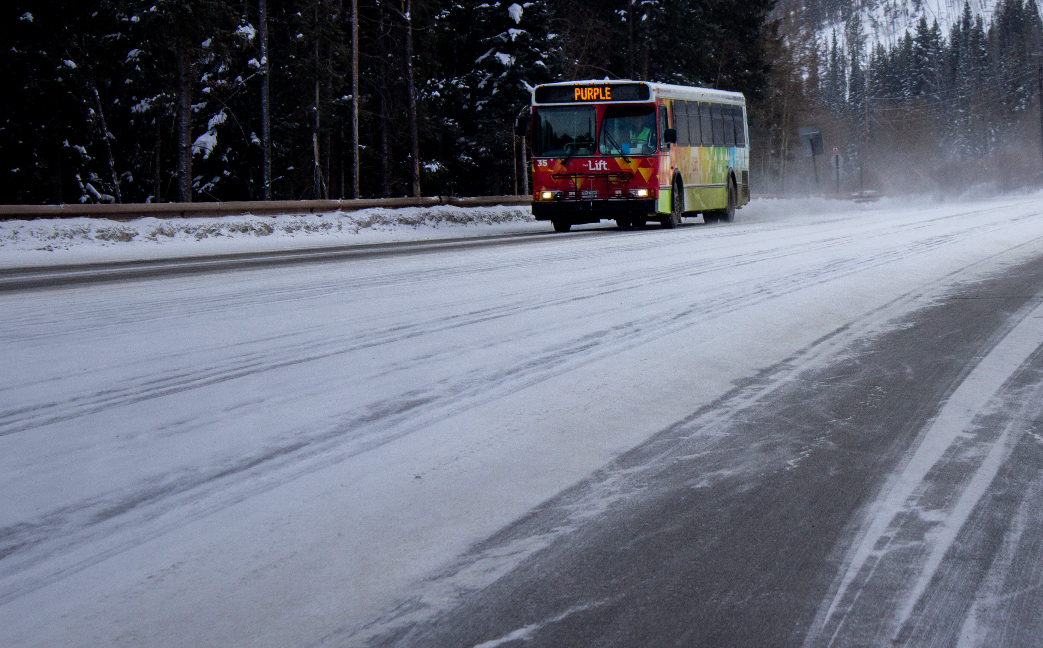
(174, 100)
(941, 108)
(164, 100)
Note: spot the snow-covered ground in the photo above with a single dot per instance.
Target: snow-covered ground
(279, 456)
(87, 240)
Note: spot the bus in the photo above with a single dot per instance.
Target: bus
(633, 152)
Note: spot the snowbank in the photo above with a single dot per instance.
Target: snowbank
(85, 240)
(78, 240)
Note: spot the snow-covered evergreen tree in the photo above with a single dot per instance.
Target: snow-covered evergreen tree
(493, 54)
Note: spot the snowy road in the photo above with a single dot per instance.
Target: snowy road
(817, 427)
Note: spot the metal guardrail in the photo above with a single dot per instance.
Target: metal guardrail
(126, 212)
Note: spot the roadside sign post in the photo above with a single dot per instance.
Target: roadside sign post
(811, 144)
(836, 163)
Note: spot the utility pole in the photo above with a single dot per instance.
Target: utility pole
(355, 99)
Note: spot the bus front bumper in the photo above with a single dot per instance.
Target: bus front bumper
(590, 211)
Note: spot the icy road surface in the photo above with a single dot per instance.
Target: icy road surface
(811, 427)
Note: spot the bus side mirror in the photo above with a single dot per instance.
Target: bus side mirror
(670, 136)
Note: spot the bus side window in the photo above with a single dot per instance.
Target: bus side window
(663, 125)
(694, 132)
(740, 126)
(718, 124)
(729, 125)
(706, 124)
(681, 123)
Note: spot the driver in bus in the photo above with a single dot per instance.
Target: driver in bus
(628, 134)
(638, 135)
(642, 141)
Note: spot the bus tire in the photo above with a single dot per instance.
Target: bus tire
(561, 226)
(710, 217)
(624, 223)
(673, 219)
(727, 214)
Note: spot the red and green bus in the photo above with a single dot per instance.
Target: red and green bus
(634, 151)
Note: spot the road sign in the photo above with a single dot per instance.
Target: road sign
(811, 140)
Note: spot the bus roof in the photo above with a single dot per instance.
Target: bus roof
(661, 90)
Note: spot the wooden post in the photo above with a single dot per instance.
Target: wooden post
(525, 166)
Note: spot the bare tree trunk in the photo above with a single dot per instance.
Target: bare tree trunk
(385, 119)
(784, 143)
(58, 196)
(107, 136)
(159, 176)
(317, 177)
(320, 188)
(184, 122)
(514, 158)
(630, 39)
(355, 99)
(414, 137)
(266, 118)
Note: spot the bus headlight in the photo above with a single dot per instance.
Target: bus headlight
(639, 193)
(549, 195)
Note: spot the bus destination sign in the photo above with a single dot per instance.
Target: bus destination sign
(592, 93)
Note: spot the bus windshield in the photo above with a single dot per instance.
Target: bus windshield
(628, 130)
(563, 131)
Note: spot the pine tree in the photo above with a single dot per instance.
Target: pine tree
(484, 85)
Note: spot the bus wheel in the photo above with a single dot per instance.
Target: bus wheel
(561, 226)
(676, 207)
(710, 217)
(624, 223)
(727, 215)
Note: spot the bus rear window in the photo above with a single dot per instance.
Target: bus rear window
(563, 131)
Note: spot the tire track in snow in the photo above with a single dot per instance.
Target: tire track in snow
(744, 569)
(698, 433)
(901, 499)
(281, 462)
(296, 352)
(782, 236)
